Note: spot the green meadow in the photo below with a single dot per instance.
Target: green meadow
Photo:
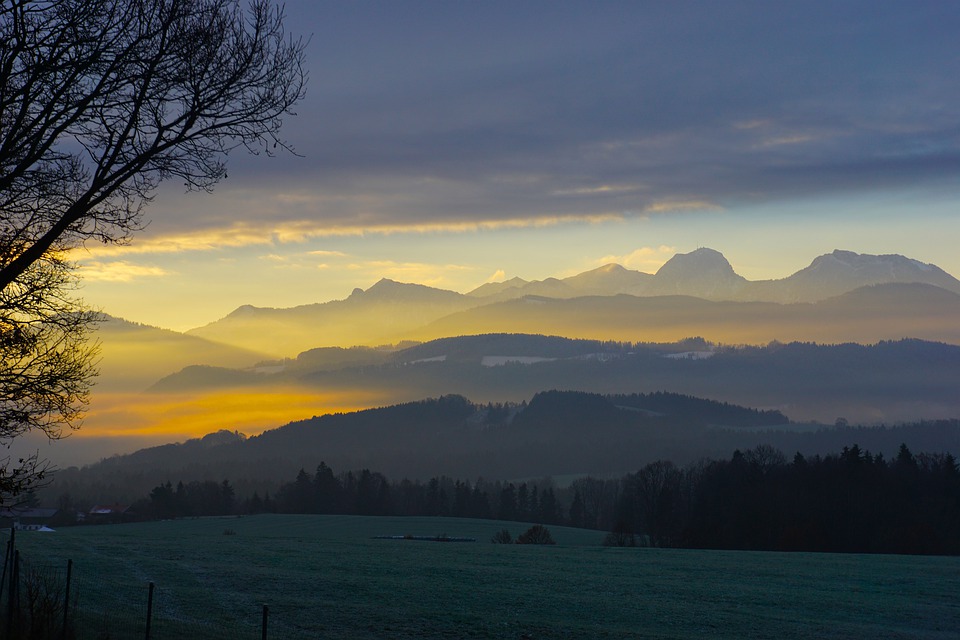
(329, 577)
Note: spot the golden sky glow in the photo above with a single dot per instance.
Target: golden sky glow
(479, 142)
(185, 280)
(176, 417)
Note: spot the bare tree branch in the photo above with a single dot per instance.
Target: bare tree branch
(100, 102)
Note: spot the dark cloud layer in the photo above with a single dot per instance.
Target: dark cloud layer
(422, 111)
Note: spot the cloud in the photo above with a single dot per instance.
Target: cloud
(498, 276)
(646, 259)
(489, 116)
(789, 139)
(119, 271)
(600, 190)
(431, 275)
(751, 124)
(681, 205)
(252, 234)
(210, 239)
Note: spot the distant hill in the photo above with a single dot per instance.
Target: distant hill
(889, 381)
(134, 356)
(476, 348)
(381, 314)
(706, 273)
(842, 271)
(612, 302)
(894, 311)
(610, 279)
(703, 273)
(554, 434)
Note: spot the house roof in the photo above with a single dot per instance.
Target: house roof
(27, 512)
(107, 509)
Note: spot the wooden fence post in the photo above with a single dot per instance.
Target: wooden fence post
(66, 600)
(7, 559)
(12, 611)
(263, 627)
(149, 609)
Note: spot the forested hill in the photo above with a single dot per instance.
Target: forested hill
(569, 409)
(897, 381)
(556, 433)
(698, 409)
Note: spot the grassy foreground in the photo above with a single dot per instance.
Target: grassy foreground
(327, 577)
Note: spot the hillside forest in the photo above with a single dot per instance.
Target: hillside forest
(851, 501)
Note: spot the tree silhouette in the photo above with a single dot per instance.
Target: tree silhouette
(621, 536)
(100, 102)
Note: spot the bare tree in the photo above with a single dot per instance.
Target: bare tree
(46, 364)
(657, 487)
(101, 101)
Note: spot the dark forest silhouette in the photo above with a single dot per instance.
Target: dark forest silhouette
(853, 501)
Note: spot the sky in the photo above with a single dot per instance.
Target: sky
(456, 143)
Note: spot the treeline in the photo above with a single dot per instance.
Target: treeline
(363, 493)
(848, 502)
(194, 498)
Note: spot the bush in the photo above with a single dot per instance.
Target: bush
(502, 537)
(621, 536)
(620, 539)
(40, 613)
(537, 534)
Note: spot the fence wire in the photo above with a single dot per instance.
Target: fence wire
(35, 605)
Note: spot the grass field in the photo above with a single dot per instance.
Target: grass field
(327, 577)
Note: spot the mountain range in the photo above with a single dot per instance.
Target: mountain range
(696, 293)
(399, 342)
(872, 339)
(706, 273)
(554, 434)
(885, 382)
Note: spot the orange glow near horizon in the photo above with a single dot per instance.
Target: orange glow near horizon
(183, 416)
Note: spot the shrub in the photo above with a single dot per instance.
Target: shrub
(537, 534)
(620, 539)
(502, 537)
(41, 604)
(621, 536)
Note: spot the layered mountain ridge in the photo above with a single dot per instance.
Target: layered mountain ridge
(389, 312)
(349, 353)
(706, 273)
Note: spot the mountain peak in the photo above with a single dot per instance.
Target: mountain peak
(704, 273)
(612, 267)
(244, 311)
(387, 290)
(386, 284)
(886, 266)
(383, 286)
(841, 271)
(702, 258)
(610, 279)
(494, 288)
(844, 255)
(697, 263)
